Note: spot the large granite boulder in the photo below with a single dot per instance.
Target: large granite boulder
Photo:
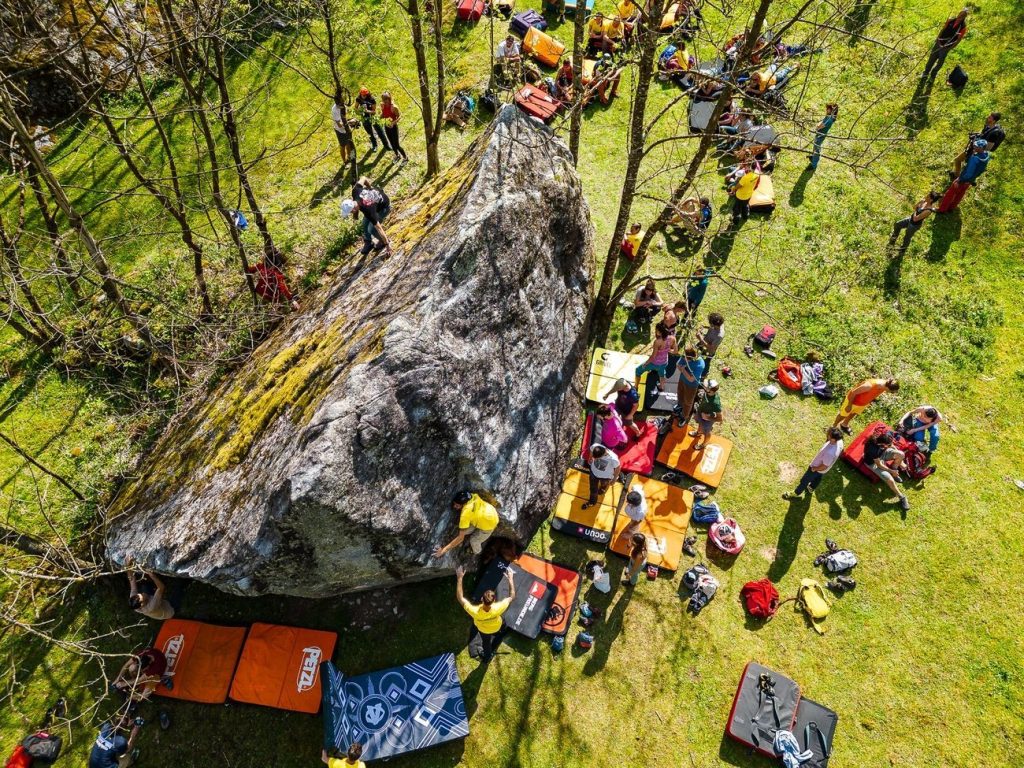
(327, 462)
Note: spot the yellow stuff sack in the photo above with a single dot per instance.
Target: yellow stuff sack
(812, 601)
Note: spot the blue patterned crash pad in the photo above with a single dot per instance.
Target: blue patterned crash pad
(396, 710)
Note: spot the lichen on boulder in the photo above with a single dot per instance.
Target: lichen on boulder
(326, 463)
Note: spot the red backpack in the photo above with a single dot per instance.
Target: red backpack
(915, 461)
(760, 598)
(789, 374)
(20, 758)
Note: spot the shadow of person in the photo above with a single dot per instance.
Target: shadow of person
(893, 270)
(946, 230)
(329, 188)
(789, 538)
(796, 196)
(917, 109)
(610, 625)
(721, 245)
(857, 20)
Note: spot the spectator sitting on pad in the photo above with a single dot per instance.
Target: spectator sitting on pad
(885, 460)
(922, 426)
(627, 400)
(349, 759)
(140, 676)
(613, 433)
(488, 629)
(647, 303)
(477, 521)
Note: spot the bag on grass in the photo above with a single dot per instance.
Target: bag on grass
(43, 747)
(702, 585)
(490, 101)
(790, 374)
(706, 513)
(810, 597)
(760, 598)
(840, 560)
(957, 77)
(20, 758)
(765, 336)
(915, 461)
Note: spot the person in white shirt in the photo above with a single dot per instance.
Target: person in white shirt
(597, 572)
(508, 51)
(821, 464)
(604, 469)
(342, 129)
(635, 509)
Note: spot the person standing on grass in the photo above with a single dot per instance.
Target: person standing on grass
(477, 522)
(347, 759)
(663, 346)
(709, 413)
(992, 133)
(627, 401)
(820, 464)
(342, 129)
(111, 748)
(968, 177)
(153, 606)
(697, 290)
(885, 460)
(637, 560)
(367, 106)
(742, 191)
(913, 222)
(604, 468)
(859, 398)
(952, 32)
(390, 115)
(488, 629)
(821, 131)
(710, 338)
(691, 372)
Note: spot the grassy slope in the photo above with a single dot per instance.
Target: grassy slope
(931, 631)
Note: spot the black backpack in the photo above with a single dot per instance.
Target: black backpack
(957, 78)
(43, 747)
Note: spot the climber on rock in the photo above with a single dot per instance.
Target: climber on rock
(477, 521)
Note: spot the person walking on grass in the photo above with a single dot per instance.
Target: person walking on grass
(952, 32)
(488, 629)
(709, 413)
(342, 129)
(820, 464)
(821, 131)
(691, 372)
(885, 460)
(664, 345)
(604, 468)
(637, 560)
(390, 115)
(367, 106)
(477, 522)
(859, 398)
(710, 338)
(348, 759)
(912, 223)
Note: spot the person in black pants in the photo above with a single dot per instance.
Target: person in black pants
(390, 115)
(488, 629)
(368, 114)
(950, 35)
(914, 221)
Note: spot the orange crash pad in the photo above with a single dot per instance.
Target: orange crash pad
(593, 524)
(668, 506)
(280, 667)
(706, 466)
(201, 659)
(565, 580)
(664, 545)
(577, 483)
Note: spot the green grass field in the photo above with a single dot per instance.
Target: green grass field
(924, 661)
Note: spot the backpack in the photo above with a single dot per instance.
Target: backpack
(810, 597)
(957, 77)
(42, 747)
(766, 335)
(760, 598)
(20, 758)
(789, 374)
(668, 53)
(722, 528)
(840, 560)
(915, 462)
(490, 101)
(585, 640)
(705, 513)
(702, 585)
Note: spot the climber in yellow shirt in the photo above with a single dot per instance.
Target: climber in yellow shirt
(477, 521)
(350, 759)
(488, 629)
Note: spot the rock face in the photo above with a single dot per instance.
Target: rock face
(327, 463)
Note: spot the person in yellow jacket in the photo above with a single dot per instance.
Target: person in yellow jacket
(488, 629)
(742, 191)
(477, 521)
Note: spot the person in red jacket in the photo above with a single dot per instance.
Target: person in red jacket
(950, 35)
(268, 280)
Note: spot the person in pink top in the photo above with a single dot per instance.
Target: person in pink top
(613, 432)
(664, 345)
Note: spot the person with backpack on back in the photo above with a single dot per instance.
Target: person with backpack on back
(859, 398)
(949, 37)
(112, 749)
(921, 425)
(477, 522)
(885, 460)
(488, 629)
(820, 464)
(374, 204)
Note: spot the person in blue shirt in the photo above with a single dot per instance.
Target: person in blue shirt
(111, 745)
(922, 426)
(696, 289)
(972, 171)
(821, 131)
(705, 215)
(691, 371)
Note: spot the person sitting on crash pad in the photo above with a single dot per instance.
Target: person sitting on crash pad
(596, 39)
(922, 426)
(627, 401)
(613, 433)
(348, 759)
(564, 81)
(885, 460)
(477, 521)
(488, 629)
(140, 675)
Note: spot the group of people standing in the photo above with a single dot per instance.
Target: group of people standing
(381, 128)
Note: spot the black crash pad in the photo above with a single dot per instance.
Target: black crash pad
(534, 596)
(756, 715)
(812, 718)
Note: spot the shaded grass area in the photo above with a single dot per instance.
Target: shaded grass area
(931, 634)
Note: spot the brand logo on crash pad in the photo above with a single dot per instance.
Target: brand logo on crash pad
(537, 589)
(172, 651)
(308, 668)
(709, 461)
(374, 713)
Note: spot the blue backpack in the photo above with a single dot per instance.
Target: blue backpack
(668, 53)
(706, 512)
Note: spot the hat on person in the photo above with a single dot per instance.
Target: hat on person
(348, 205)
(980, 143)
(364, 91)
(634, 497)
(712, 384)
(621, 385)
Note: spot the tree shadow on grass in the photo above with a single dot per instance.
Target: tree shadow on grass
(796, 196)
(945, 231)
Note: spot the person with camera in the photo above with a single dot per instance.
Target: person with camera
(992, 133)
(112, 749)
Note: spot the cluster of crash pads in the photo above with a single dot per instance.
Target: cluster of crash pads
(546, 593)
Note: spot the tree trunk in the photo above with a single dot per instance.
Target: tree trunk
(324, 7)
(438, 22)
(576, 117)
(22, 542)
(646, 33)
(605, 306)
(426, 108)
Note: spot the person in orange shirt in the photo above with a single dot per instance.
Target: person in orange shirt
(859, 398)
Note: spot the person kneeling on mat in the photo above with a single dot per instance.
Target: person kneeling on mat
(488, 629)
(922, 426)
(477, 521)
(111, 748)
(349, 759)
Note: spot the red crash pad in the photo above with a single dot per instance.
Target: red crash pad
(853, 454)
(280, 667)
(201, 659)
(537, 102)
(638, 456)
(566, 581)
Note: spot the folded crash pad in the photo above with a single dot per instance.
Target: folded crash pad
(566, 581)
(763, 198)
(543, 47)
(853, 454)
(577, 483)
(536, 102)
(814, 730)
(664, 545)
(280, 667)
(759, 709)
(606, 366)
(705, 466)
(394, 711)
(637, 456)
(593, 524)
(201, 659)
(534, 596)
